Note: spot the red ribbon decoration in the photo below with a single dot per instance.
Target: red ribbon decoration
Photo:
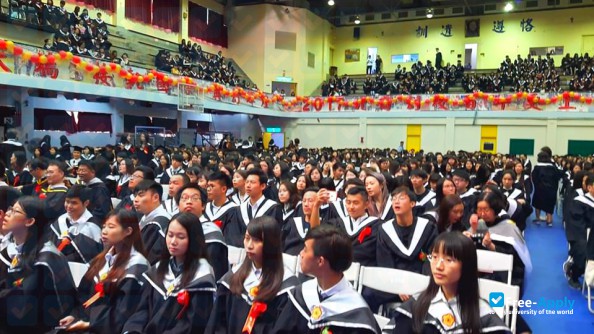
(65, 242)
(183, 298)
(219, 223)
(99, 293)
(364, 234)
(257, 309)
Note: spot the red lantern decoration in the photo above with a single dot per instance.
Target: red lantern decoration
(2, 44)
(76, 60)
(35, 58)
(18, 51)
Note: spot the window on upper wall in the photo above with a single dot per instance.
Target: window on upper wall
(405, 58)
(53, 120)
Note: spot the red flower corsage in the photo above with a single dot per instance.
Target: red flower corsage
(364, 234)
(257, 309)
(219, 223)
(422, 256)
(42, 195)
(38, 188)
(183, 298)
(18, 283)
(65, 242)
(99, 293)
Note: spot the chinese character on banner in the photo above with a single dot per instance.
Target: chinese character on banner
(446, 30)
(527, 25)
(422, 32)
(498, 27)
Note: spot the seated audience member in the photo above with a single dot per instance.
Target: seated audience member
(219, 207)
(190, 199)
(100, 201)
(379, 197)
(449, 214)
(153, 224)
(54, 195)
(176, 167)
(34, 275)
(251, 296)
(182, 272)
(111, 289)
(328, 303)
(358, 225)
(77, 233)
(140, 173)
(452, 302)
(296, 228)
(176, 182)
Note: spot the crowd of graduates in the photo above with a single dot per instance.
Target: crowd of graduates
(155, 227)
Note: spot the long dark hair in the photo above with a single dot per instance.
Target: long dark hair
(439, 189)
(268, 231)
(294, 195)
(127, 219)
(196, 249)
(33, 208)
(443, 213)
(460, 247)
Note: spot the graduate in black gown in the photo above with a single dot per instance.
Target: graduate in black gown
(77, 234)
(545, 177)
(256, 206)
(358, 225)
(468, 195)
(518, 207)
(251, 296)
(111, 289)
(140, 173)
(190, 199)
(179, 291)
(36, 287)
(219, 208)
(451, 303)
(289, 200)
(296, 228)
(328, 303)
(153, 224)
(100, 202)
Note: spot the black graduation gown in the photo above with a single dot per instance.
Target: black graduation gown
(218, 254)
(423, 202)
(34, 300)
(294, 231)
(53, 201)
(401, 247)
(84, 245)
(168, 173)
(545, 177)
(363, 238)
(579, 218)
(230, 311)
(342, 313)
(145, 154)
(436, 320)
(234, 229)
(100, 201)
(518, 212)
(159, 308)
(221, 216)
(23, 178)
(108, 314)
(469, 199)
(152, 232)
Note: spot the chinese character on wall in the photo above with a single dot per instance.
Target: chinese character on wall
(422, 32)
(446, 30)
(498, 27)
(526, 25)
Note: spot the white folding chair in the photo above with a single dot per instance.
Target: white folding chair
(78, 271)
(511, 295)
(235, 255)
(489, 261)
(352, 274)
(115, 201)
(290, 262)
(381, 321)
(395, 281)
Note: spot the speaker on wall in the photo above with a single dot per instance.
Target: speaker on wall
(356, 32)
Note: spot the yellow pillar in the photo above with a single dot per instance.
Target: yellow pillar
(413, 137)
(489, 138)
(120, 13)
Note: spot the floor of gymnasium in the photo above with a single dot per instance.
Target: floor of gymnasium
(548, 249)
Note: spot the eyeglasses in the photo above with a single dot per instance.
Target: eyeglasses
(195, 198)
(11, 210)
(436, 260)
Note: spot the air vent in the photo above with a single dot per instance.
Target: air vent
(421, 13)
(553, 2)
(369, 17)
(386, 16)
(402, 15)
(531, 4)
(438, 11)
(575, 2)
(458, 10)
(352, 19)
(490, 7)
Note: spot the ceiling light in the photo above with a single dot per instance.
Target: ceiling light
(508, 7)
(357, 20)
(429, 13)
(330, 2)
